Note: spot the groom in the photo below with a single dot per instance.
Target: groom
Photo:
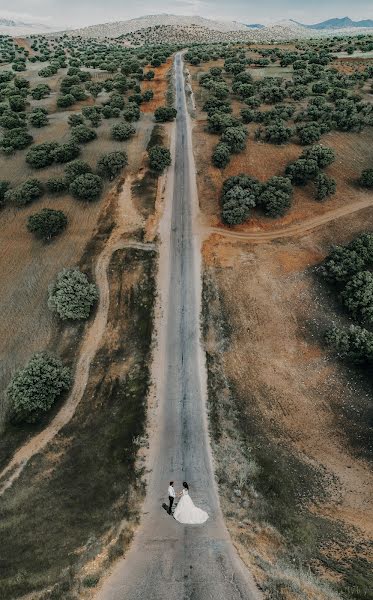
(171, 496)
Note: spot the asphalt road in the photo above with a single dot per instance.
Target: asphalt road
(167, 560)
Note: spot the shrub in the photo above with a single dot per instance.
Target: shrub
(75, 119)
(72, 296)
(277, 133)
(235, 138)
(12, 120)
(65, 101)
(302, 170)
(4, 186)
(357, 296)
(25, 193)
(16, 139)
(325, 186)
(148, 95)
(309, 133)
(38, 118)
(35, 388)
(56, 185)
(219, 122)
(239, 195)
(366, 178)
(109, 165)
(47, 223)
(276, 196)
(86, 187)
(122, 131)
(42, 90)
(321, 154)
(17, 103)
(65, 152)
(159, 158)
(221, 155)
(83, 134)
(42, 155)
(76, 168)
(131, 112)
(355, 344)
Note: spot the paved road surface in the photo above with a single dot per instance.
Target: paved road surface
(169, 561)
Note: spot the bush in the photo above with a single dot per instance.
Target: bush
(277, 133)
(16, 139)
(66, 152)
(25, 193)
(65, 101)
(357, 296)
(235, 138)
(17, 103)
(325, 186)
(56, 185)
(76, 168)
(159, 158)
(86, 187)
(221, 155)
(72, 296)
(276, 196)
(239, 195)
(83, 134)
(4, 186)
(219, 122)
(12, 120)
(131, 112)
(42, 155)
(302, 170)
(148, 95)
(35, 388)
(122, 131)
(75, 119)
(355, 344)
(42, 90)
(109, 165)
(38, 118)
(309, 133)
(321, 154)
(366, 178)
(47, 223)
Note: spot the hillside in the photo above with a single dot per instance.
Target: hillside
(341, 23)
(13, 27)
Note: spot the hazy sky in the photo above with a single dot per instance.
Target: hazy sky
(86, 12)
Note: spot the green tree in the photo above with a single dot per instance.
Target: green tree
(309, 133)
(86, 187)
(83, 134)
(41, 156)
(16, 139)
(162, 114)
(38, 118)
(65, 101)
(47, 223)
(76, 168)
(354, 344)
(302, 170)
(159, 158)
(131, 112)
(357, 296)
(122, 131)
(111, 164)
(277, 133)
(25, 193)
(235, 138)
(325, 186)
(275, 197)
(56, 185)
(63, 153)
(72, 296)
(366, 178)
(221, 155)
(237, 203)
(323, 155)
(4, 186)
(34, 389)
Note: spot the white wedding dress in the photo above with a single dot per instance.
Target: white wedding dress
(189, 514)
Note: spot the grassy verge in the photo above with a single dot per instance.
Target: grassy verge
(75, 504)
(266, 489)
(144, 189)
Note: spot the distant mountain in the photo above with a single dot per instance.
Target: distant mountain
(255, 26)
(18, 28)
(344, 22)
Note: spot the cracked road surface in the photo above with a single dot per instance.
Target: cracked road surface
(168, 560)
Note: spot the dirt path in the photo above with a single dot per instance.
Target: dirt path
(257, 237)
(127, 220)
(167, 559)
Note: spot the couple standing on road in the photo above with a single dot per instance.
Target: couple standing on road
(185, 512)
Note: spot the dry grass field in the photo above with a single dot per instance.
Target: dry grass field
(290, 424)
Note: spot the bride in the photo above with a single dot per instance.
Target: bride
(186, 512)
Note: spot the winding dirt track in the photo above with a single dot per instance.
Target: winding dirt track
(89, 348)
(257, 237)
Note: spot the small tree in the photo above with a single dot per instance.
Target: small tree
(83, 134)
(76, 168)
(325, 186)
(25, 193)
(75, 119)
(162, 114)
(323, 155)
(34, 389)
(72, 295)
(4, 186)
(16, 139)
(236, 205)
(42, 155)
(109, 165)
(358, 296)
(122, 131)
(235, 138)
(309, 133)
(47, 223)
(66, 152)
(159, 158)
(276, 196)
(277, 133)
(221, 155)
(42, 90)
(302, 170)
(56, 185)
(65, 101)
(366, 178)
(131, 112)
(86, 187)
(355, 344)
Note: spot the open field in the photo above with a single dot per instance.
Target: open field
(290, 423)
